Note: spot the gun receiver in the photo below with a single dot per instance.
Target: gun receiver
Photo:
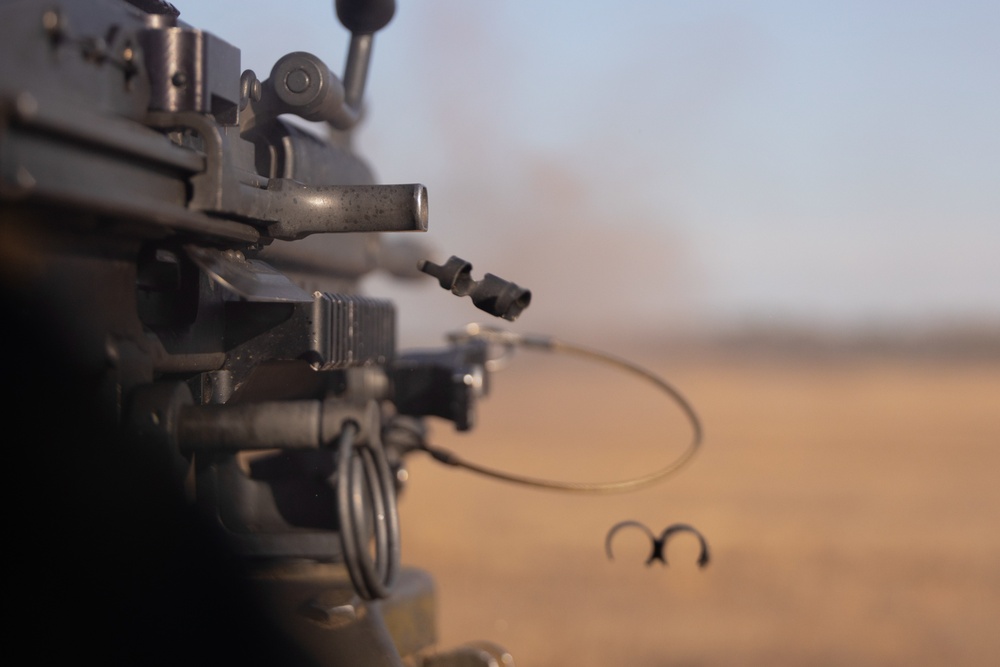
(194, 259)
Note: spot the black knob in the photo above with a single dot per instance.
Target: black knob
(363, 17)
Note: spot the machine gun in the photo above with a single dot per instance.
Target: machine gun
(164, 298)
(211, 419)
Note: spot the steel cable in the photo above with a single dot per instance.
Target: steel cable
(510, 341)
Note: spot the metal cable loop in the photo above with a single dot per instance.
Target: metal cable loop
(508, 341)
(366, 509)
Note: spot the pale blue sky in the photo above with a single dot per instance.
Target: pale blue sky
(681, 163)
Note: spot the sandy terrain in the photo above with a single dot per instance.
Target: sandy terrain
(850, 504)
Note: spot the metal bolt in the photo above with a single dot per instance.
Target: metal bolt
(250, 88)
(179, 79)
(297, 81)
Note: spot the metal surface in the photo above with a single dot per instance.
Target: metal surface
(249, 279)
(300, 210)
(316, 604)
(191, 70)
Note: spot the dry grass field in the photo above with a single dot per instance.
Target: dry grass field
(850, 502)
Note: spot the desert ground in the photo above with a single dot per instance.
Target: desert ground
(849, 499)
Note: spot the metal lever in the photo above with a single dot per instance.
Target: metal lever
(363, 18)
(301, 84)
